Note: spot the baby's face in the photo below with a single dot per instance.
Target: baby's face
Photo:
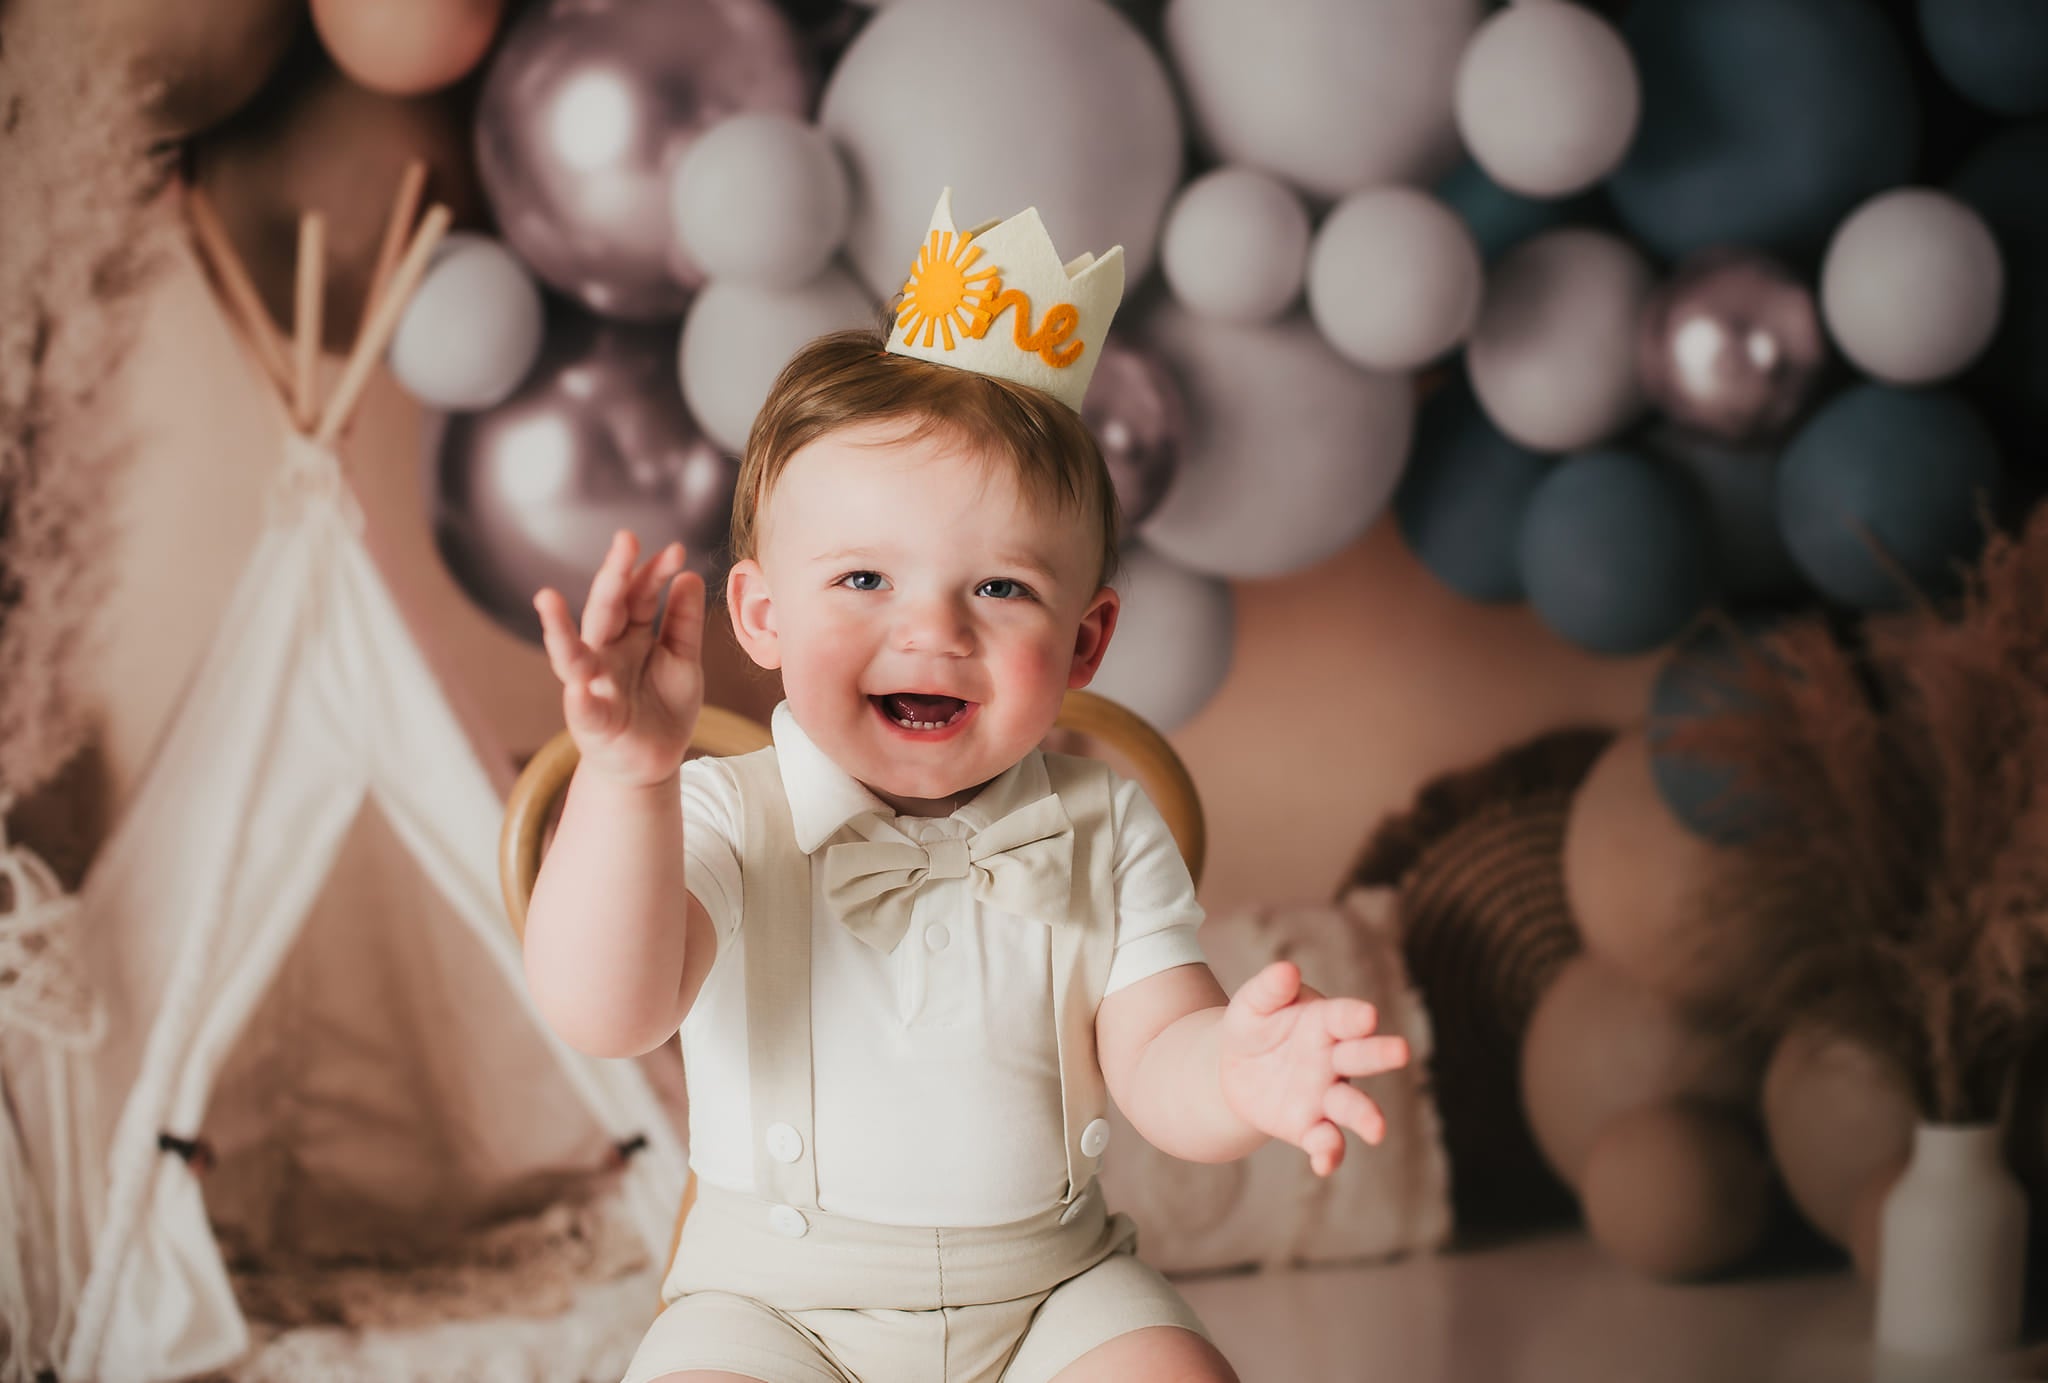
(927, 615)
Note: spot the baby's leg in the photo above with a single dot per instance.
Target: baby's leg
(1155, 1354)
(718, 1337)
(1118, 1322)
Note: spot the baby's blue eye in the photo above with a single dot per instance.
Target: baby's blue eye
(863, 580)
(1003, 588)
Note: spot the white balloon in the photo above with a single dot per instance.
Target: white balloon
(1912, 285)
(472, 328)
(760, 196)
(1332, 95)
(1175, 634)
(1235, 245)
(1060, 104)
(1394, 278)
(1548, 99)
(738, 336)
(1552, 356)
(1291, 452)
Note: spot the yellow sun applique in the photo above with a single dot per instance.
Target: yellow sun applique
(942, 294)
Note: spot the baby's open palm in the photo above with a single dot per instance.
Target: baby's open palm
(630, 694)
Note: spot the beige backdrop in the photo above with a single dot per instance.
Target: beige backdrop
(1354, 681)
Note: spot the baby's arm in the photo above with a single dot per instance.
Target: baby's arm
(615, 944)
(1208, 1081)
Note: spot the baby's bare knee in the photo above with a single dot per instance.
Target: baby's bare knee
(1156, 1354)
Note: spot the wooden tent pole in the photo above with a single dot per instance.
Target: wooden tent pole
(245, 304)
(306, 324)
(379, 326)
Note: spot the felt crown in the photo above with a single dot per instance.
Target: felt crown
(965, 284)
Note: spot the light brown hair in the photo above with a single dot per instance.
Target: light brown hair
(847, 378)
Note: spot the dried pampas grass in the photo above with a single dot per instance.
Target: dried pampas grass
(76, 241)
(1895, 888)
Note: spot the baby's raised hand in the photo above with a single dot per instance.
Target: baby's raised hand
(631, 698)
(1286, 1054)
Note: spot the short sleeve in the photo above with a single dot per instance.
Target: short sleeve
(711, 841)
(1157, 917)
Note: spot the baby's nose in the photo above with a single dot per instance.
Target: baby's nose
(935, 626)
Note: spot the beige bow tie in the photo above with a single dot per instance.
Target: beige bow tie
(1022, 864)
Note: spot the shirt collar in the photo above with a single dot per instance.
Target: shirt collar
(823, 797)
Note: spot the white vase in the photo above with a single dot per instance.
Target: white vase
(1952, 1247)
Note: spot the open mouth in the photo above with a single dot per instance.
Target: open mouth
(922, 710)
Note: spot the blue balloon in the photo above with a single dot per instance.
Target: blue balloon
(1462, 497)
(2006, 181)
(1738, 488)
(1499, 219)
(1704, 678)
(1995, 52)
(1887, 491)
(1764, 122)
(1614, 552)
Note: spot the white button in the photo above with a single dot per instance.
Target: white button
(1095, 1138)
(785, 1144)
(936, 936)
(789, 1221)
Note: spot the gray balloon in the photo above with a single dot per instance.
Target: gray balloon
(1732, 345)
(529, 493)
(583, 114)
(1134, 409)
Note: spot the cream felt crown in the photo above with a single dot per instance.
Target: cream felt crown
(965, 284)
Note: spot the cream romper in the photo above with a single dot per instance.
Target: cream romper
(773, 1288)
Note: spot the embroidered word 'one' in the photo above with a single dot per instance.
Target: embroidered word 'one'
(942, 295)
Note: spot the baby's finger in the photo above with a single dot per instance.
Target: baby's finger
(644, 598)
(1344, 1018)
(1351, 1107)
(1369, 1056)
(1269, 991)
(682, 627)
(569, 657)
(604, 613)
(1324, 1144)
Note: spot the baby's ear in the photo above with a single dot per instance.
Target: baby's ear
(1091, 640)
(752, 608)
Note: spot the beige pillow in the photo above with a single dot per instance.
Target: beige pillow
(1269, 1209)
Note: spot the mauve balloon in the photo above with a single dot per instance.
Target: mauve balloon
(585, 109)
(1732, 345)
(529, 493)
(1134, 409)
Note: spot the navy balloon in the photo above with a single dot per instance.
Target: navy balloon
(1614, 552)
(1764, 122)
(1995, 52)
(1463, 496)
(2006, 181)
(1499, 219)
(1738, 487)
(1885, 492)
(1704, 677)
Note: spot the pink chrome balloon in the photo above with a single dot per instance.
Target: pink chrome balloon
(529, 493)
(1732, 346)
(584, 111)
(1134, 409)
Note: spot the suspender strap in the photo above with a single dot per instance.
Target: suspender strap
(1082, 945)
(776, 934)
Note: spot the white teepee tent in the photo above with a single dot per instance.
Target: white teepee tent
(357, 1069)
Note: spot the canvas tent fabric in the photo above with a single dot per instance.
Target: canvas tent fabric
(363, 1069)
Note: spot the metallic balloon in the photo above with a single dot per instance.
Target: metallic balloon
(1732, 346)
(1134, 409)
(584, 111)
(529, 493)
